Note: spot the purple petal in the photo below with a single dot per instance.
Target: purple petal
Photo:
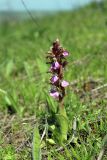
(54, 79)
(65, 53)
(55, 65)
(54, 94)
(64, 83)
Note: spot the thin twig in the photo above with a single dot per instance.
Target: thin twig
(9, 122)
(19, 148)
(83, 59)
(100, 87)
(76, 81)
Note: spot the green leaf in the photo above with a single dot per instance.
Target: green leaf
(41, 66)
(50, 141)
(3, 91)
(74, 153)
(7, 100)
(27, 69)
(9, 68)
(62, 129)
(51, 104)
(52, 127)
(36, 149)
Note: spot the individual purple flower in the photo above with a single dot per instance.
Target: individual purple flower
(55, 65)
(65, 53)
(54, 94)
(64, 83)
(54, 79)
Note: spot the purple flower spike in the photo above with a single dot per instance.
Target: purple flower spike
(57, 60)
(54, 94)
(65, 53)
(64, 83)
(54, 79)
(55, 65)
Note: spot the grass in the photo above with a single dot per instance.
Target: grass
(24, 83)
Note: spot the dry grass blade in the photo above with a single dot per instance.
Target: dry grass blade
(104, 145)
(44, 132)
(101, 154)
(99, 88)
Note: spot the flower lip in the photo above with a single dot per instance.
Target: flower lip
(54, 94)
(55, 65)
(65, 53)
(54, 79)
(64, 83)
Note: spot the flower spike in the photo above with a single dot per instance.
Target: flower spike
(57, 59)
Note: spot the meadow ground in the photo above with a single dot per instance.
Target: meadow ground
(24, 83)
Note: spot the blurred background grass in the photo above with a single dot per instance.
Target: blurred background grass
(23, 47)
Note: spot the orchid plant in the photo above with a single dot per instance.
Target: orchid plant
(57, 60)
